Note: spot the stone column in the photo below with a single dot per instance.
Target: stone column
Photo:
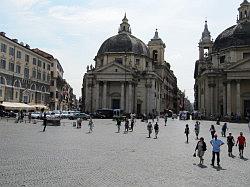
(122, 96)
(130, 100)
(104, 99)
(238, 103)
(229, 104)
(86, 96)
(224, 99)
(211, 102)
(135, 99)
(97, 95)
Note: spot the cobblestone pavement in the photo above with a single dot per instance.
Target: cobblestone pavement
(66, 156)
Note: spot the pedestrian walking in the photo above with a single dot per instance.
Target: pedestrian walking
(156, 128)
(126, 125)
(230, 144)
(186, 132)
(44, 121)
(132, 124)
(201, 147)
(212, 131)
(216, 144)
(91, 125)
(118, 123)
(197, 129)
(224, 129)
(218, 121)
(149, 128)
(29, 117)
(241, 140)
(79, 123)
(166, 119)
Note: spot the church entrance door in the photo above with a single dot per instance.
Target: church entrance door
(246, 107)
(115, 103)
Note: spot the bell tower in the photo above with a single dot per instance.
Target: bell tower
(244, 12)
(205, 44)
(157, 48)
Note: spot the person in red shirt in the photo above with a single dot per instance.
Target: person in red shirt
(241, 140)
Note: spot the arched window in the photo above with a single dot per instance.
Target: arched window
(43, 89)
(17, 84)
(240, 15)
(245, 14)
(155, 55)
(33, 87)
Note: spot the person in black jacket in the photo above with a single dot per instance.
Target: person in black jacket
(187, 132)
(201, 147)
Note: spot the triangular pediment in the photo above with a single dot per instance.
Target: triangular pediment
(240, 65)
(113, 68)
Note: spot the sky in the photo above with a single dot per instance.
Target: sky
(73, 30)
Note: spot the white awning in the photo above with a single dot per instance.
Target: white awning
(40, 106)
(16, 106)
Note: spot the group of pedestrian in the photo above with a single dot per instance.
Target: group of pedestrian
(150, 129)
(126, 124)
(216, 143)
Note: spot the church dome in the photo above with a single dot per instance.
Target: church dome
(235, 36)
(124, 42)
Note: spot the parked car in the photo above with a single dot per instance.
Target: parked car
(97, 115)
(65, 114)
(79, 115)
(36, 115)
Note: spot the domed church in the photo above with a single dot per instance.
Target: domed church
(222, 73)
(130, 75)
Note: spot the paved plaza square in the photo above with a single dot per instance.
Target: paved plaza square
(66, 156)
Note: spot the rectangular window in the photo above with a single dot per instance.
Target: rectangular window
(11, 51)
(1, 93)
(118, 60)
(137, 62)
(44, 76)
(51, 83)
(48, 67)
(52, 64)
(39, 76)
(246, 55)
(34, 61)
(48, 78)
(3, 48)
(222, 59)
(19, 55)
(39, 63)
(27, 58)
(146, 64)
(11, 66)
(3, 64)
(18, 69)
(44, 65)
(16, 95)
(26, 73)
(34, 73)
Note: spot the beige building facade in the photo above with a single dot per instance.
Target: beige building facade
(222, 73)
(130, 75)
(24, 74)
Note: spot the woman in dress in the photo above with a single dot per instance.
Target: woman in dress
(201, 147)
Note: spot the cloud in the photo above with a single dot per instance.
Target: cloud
(27, 4)
(79, 15)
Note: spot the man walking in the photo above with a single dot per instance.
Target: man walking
(166, 119)
(241, 140)
(44, 121)
(216, 143)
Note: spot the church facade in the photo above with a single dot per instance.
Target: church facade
(130, 75)
(222, 73)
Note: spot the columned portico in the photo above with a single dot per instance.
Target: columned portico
(130, 100)
(97, 95)
(224, 99)
(104, 99)
(229, 104)
(122, 96)
(238, 101)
